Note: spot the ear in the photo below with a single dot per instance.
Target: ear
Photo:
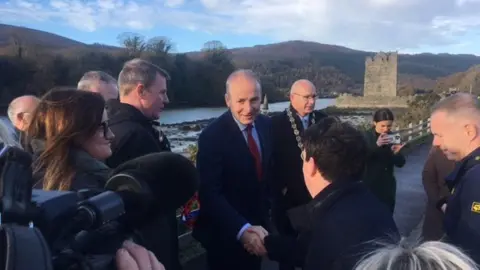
(19, 117)
(310, 167)
(471, 131)
(227, 100)
(140, 90)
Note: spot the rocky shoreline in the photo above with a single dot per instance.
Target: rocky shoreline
(182, 135)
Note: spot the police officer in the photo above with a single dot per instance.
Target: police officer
(455, 124)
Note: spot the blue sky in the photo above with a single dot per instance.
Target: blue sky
(409, 26)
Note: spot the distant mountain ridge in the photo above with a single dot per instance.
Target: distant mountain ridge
(332, 68)
(35, 37)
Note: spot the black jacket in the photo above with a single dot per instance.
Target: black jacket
(289, 187)
(135, 136)
(336, 229)
(379, 169)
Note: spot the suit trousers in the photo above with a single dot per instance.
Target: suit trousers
(283, 227)
(232, 258)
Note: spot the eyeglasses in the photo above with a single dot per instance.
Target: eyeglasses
(105, 128)
(308, 97)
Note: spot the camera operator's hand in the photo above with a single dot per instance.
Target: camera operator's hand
(134, 257)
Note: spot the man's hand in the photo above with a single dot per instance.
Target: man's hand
(258, 230)
(134, 257)
(397, 147)
(252, 240)
(444, 207)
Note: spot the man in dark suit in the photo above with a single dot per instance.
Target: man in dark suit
(233, 160)
(289, 187)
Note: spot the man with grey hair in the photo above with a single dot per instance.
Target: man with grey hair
(233, 161)
(133, 120)
(20, 111)
(455, 124)
(99, 82)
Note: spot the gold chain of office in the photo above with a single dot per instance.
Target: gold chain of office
(296, 132)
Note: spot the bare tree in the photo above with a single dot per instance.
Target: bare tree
(160, 45)
(134, 43)
(213, 45)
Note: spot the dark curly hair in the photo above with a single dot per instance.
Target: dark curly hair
(338, 149)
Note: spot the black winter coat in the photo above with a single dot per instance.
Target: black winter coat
(135, 136)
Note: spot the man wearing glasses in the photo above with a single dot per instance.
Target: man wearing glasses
(289, 187)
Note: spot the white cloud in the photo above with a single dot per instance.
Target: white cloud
(173, 3)
(361, 24)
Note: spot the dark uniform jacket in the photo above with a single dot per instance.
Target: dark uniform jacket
(336, 229)
(135, 136)
(436, 169)
(379, 175)
(462, 216)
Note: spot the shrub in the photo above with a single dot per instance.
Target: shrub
(418, 109)
(364, 126)
(192, 152)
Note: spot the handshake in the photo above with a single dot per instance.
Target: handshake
(253, 240)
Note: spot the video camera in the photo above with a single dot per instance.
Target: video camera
(45, 230)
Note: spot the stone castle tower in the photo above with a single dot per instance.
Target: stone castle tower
(381, 75)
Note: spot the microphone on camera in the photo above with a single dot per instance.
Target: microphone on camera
(153, 185)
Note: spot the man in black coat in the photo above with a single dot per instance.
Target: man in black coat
(339, 225)
(289, 188)
(133, 120)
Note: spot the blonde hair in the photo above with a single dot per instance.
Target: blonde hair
(431, 255)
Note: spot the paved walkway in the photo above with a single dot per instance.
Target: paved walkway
(411, 198)
(409, 209)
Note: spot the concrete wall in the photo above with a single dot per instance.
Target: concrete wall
(381, 75)
(349, 101)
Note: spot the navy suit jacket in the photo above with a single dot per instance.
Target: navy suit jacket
(230, 192)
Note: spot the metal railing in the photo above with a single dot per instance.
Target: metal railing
(414, 131)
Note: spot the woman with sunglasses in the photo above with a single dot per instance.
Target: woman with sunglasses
(70, 138)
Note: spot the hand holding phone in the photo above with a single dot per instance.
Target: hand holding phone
(383, 139)
(394, 138)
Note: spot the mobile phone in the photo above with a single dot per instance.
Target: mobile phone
(394, 138)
